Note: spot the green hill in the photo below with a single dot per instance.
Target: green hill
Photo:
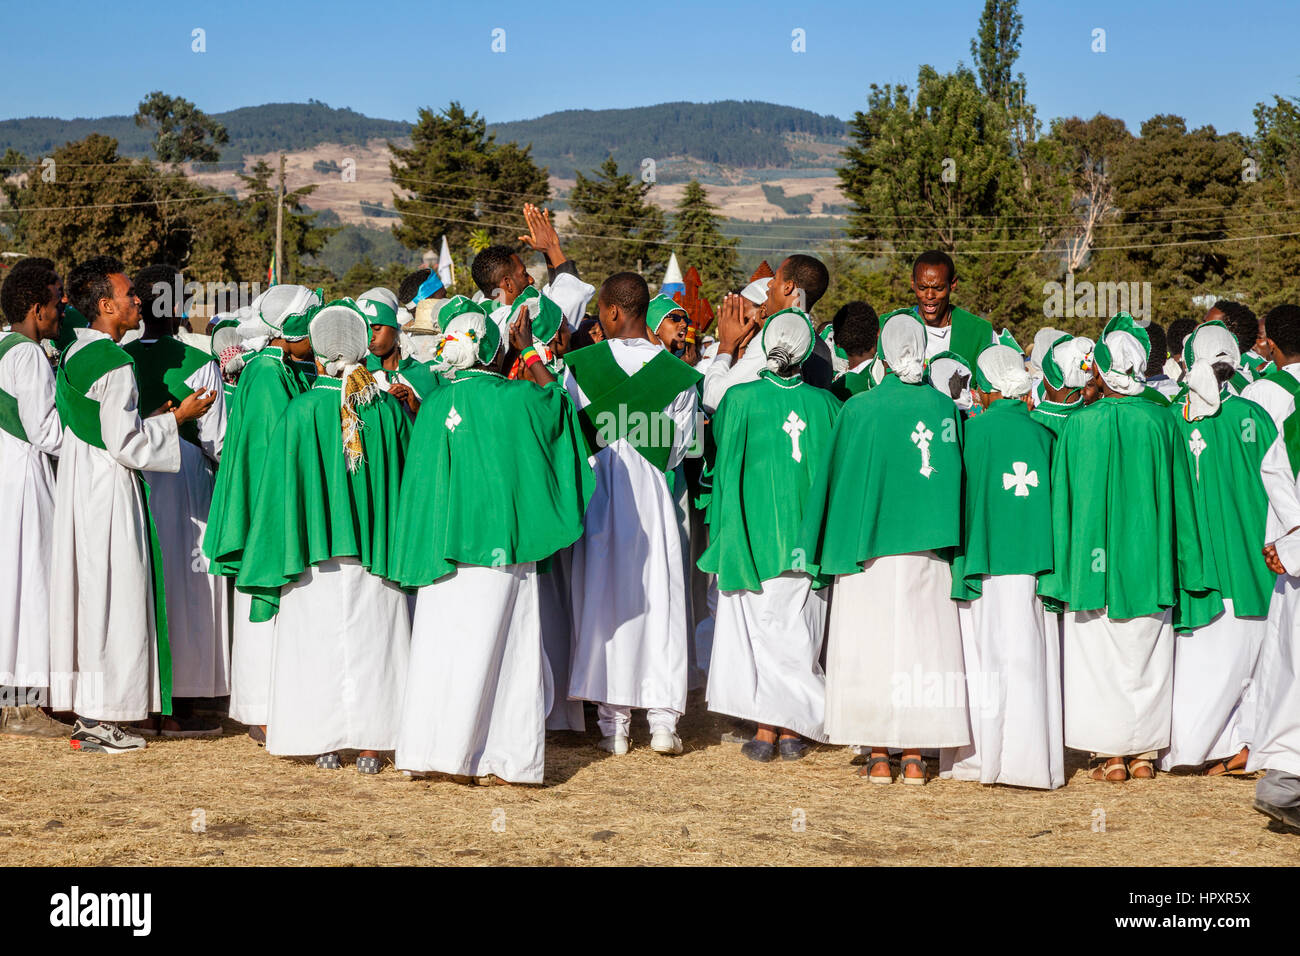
(748, 135)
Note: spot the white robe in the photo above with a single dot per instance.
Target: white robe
(27, 518)
(198, 604)
(557, 638)
(894, 670)
(1013, 678)
(338, 666)
(250, 664)
(629, 591)
(766, 656)
(1119, 683)
(103, 645)
(478, 687)
(1276, 686)
(1214, 700)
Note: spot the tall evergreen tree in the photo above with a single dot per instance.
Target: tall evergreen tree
(614, 227)
(698, 238)
(460, 179)
(303, 237)
(183, 132)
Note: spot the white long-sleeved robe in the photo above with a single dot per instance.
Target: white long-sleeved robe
(103, 643)
(198, 603)
(629, 610)
(27, 517)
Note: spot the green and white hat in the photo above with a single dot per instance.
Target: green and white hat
(1123, 322)
(1001, 368)
(379, 306)
(471, 336)
(661, 306)
(1066, 362)
(546, 315)
(286, 310)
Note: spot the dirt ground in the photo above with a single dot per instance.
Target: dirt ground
(225, 801)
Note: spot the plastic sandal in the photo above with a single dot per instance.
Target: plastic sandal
(328, 762)
(1141, 764)
(1103, 771)
(368, 765)
(914, 781)
(761, 751)
(871, 763)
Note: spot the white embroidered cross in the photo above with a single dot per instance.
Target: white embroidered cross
(1022, 478)
(794, 425)
(1197, 445)
(453, 419)
(921, 439)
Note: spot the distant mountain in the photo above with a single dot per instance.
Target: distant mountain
(252, 129)
(748, 135)
(732, 133)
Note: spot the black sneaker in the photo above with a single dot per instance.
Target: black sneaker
(103, 737)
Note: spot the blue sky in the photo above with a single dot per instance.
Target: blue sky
(1209, 62)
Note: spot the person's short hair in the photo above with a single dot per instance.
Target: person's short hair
(1179, 329)
(24, 288)
(88, 282)
(1241, 322)
(411, 285)
(490, 266)
(935, 257)
(1159, 349)
(628, 291)
(808, 274)
(34, 262)
(856, 327)
(160, 273)
(1282, 325)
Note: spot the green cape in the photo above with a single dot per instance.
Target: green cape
(309, 507)
(497, 475)
(759, 486)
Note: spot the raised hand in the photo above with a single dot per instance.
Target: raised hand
(541, 234)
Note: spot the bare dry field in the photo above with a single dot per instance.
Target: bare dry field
(224, 801)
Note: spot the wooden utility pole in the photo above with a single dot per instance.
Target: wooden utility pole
(279, 225)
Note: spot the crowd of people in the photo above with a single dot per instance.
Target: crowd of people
(428, 529)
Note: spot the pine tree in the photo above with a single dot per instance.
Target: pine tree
(614, 227)
(302, 236)
(698, 237)
(460, 179)
(184, 132)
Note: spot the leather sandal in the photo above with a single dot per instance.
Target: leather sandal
(1106, 770)
(880, 779)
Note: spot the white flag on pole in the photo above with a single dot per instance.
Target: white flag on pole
(445, 271)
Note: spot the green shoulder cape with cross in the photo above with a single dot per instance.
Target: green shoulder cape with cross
(771, 433)
(630, 406)
(496, 475)
(80, 414)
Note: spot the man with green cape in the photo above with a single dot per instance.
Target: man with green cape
(276, 343)
(1012, 656)
(318, 561)
(1125, 540)
(404, 378)
(496, 481)
(1220, 630)
(767, 635)
(883, 516)
(108, 617)
(198, 604)
(947, 327)
(638, 404)
(1067, 368)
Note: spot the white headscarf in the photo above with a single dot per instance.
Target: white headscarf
(340, 337)
(1124, 370)
(1043, 340)
(461, 344)
(942, 369)
(1072, 358)
(1210, 344)
(756, 291)
(902, 340)
(787, 339)
(1002, 368)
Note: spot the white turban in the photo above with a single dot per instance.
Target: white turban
(1066, 364)
(280, 303)
(1002, 369)
(461, 345)
(756, 291)
(1043, 341)
(1122, 361)
(787, 339)
(340, 337)
(380, 294)
(1204, 348)
(942, 369)
(902, 340)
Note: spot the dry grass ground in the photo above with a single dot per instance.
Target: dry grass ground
(708, 806)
